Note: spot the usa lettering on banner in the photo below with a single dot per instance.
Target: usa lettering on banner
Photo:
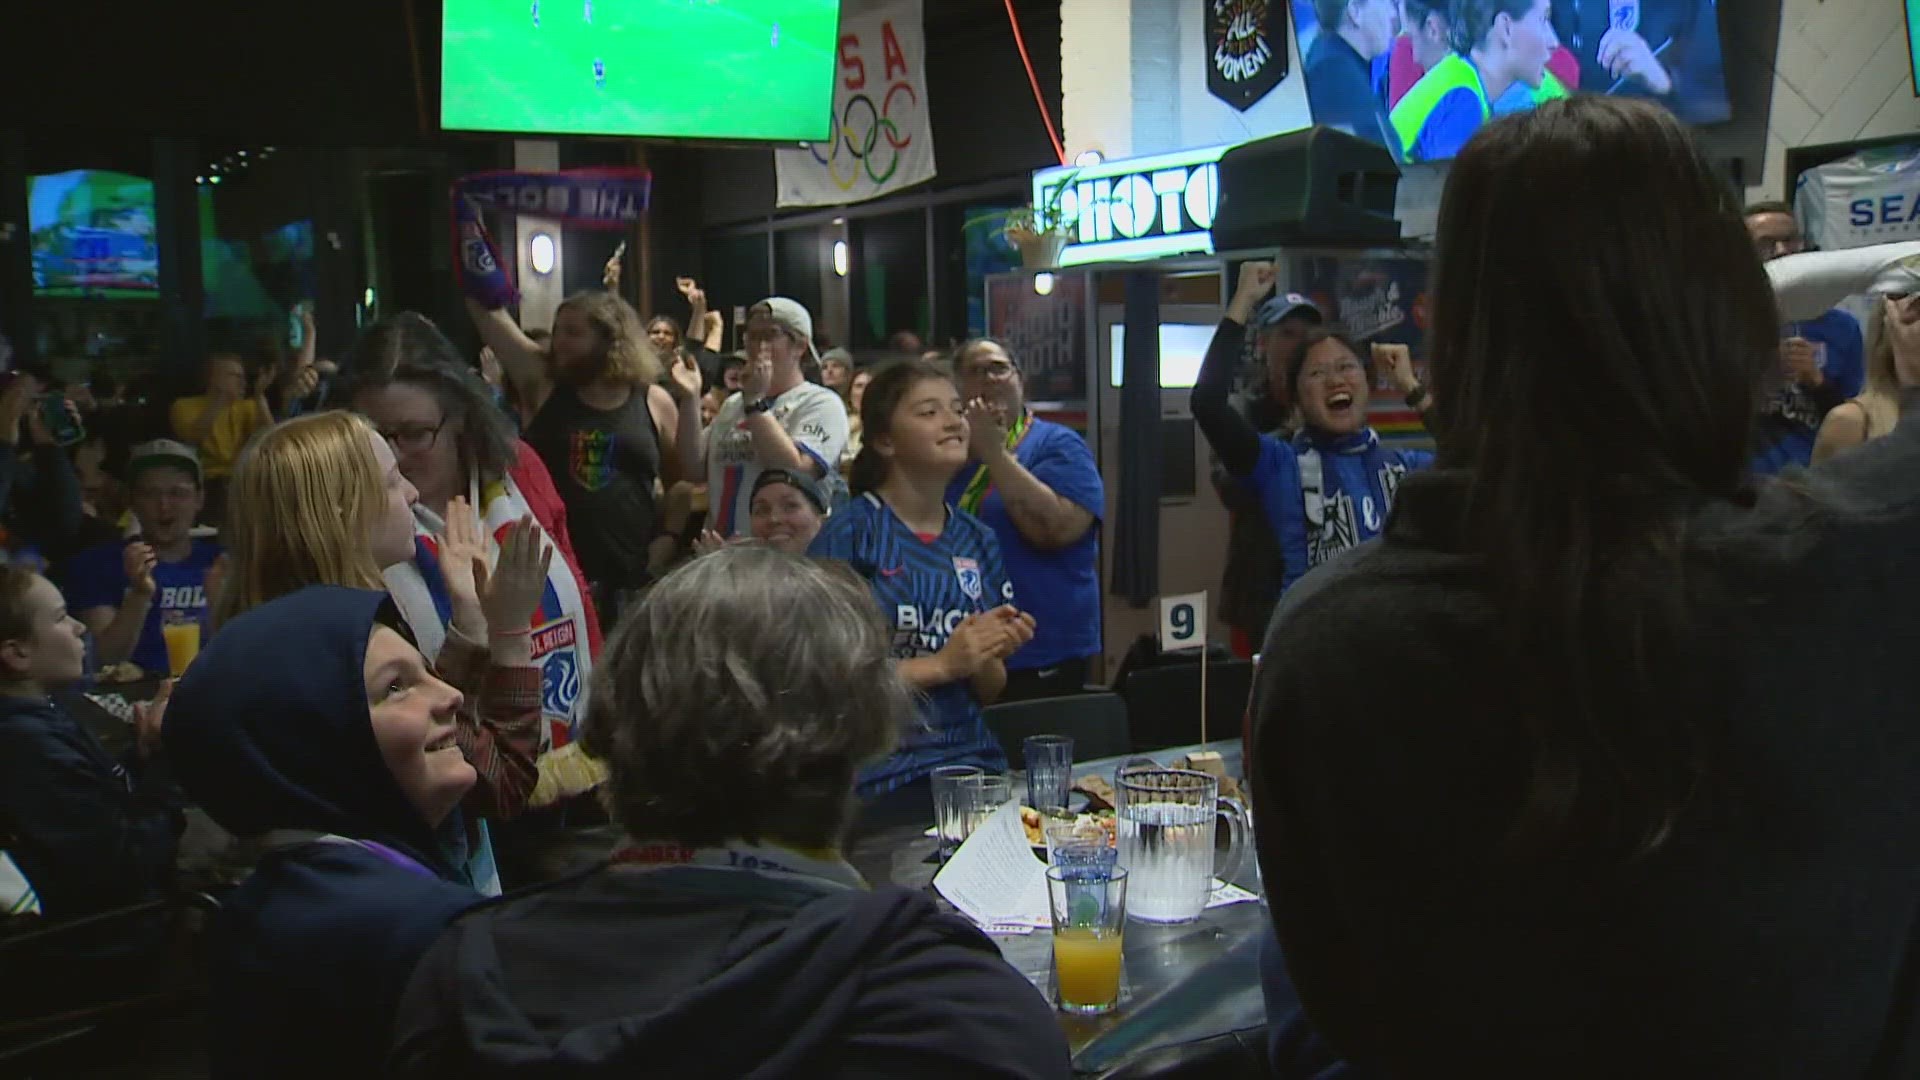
(882, 136)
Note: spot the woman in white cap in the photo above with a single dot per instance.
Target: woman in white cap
(778, 420)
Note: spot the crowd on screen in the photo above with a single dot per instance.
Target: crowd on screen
(1578, 745)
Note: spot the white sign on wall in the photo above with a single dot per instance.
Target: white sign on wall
(882, 135)
(1868, 197)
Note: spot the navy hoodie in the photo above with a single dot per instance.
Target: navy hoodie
(714, 972)
(90, 833)
(269, 731)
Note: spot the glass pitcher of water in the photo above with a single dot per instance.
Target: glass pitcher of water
(1166, 831)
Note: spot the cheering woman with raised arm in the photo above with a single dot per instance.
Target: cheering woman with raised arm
(601, 423)
(1330, 486)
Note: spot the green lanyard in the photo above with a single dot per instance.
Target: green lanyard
(981, 484)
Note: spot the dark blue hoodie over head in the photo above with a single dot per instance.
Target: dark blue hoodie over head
(269, 731)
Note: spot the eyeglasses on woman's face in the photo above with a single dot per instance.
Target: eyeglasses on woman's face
(415, 439)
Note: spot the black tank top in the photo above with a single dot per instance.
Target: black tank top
(604, 463)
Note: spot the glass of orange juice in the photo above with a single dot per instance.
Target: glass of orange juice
(182, 637)
(1089, 905)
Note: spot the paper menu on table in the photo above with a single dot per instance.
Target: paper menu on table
(994, 878)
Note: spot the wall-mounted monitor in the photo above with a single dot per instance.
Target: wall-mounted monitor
(93, 235)
(687, 69)
(1182, 347)
(1913, 43)
(1423, 86)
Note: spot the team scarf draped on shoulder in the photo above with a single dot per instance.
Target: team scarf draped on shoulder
(602, 198)
(1313, 485)
(559, 630)
(981, 485)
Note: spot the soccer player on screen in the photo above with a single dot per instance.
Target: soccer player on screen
(587, 15)
(536, 14)
(599, 73)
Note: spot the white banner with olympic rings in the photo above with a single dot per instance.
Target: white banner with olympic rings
(883, 139)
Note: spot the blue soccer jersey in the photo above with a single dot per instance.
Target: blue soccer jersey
(924, 588)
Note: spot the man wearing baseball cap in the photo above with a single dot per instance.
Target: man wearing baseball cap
(126, 591)
(778, 420)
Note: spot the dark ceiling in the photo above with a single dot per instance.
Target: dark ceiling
(332, 73)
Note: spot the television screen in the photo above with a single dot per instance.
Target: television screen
(93, 235)
(1182, 347)
(1913, 42)
(696, 69)
(1423, 88)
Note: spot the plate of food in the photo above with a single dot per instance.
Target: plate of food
(1035, 823)
(119, 673)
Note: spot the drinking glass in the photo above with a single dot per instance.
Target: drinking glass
(1074, 845)
(1049, 771)
(1166, 833)
(181, 633)
(980, 796)
(947, 817)
(1089, 922)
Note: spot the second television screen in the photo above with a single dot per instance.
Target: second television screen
(1421, 76)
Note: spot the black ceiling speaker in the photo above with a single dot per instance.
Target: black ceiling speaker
(1317, 186)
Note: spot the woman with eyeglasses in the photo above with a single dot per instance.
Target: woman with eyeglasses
(1331, 485)
(458, 452)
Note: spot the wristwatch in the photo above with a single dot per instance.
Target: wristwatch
(1417, 397)
(755, 408)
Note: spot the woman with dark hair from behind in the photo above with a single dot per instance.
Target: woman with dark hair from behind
(1576, 824)
(735, 707)
(458, 451)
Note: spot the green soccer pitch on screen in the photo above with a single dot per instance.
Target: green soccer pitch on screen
(687, 69)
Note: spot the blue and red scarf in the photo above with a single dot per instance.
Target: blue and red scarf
(604, 198)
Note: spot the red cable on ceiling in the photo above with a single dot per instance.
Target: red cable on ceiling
(1046, 117)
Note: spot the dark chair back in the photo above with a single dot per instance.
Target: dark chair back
(1097, 723)
(1163, 703)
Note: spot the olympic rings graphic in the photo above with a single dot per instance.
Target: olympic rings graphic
(861, 140)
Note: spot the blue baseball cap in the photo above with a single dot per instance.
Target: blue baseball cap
(1287, 306)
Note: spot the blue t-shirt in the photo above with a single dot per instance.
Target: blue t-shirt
(1349, 504)
(97, 578)
(1839, 351)
(924, 589)
(1061, 588)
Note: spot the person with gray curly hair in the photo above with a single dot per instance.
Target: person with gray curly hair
(733, 708)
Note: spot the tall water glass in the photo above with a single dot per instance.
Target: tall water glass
(1089, 924)
(947, 817)
(1166, 834)
(980, 797)
(1049, 771)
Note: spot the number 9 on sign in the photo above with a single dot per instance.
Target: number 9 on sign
(1183, 622)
